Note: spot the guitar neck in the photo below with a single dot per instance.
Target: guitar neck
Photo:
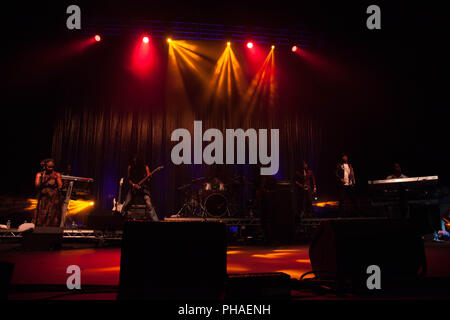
(147, 177)
(143, 180)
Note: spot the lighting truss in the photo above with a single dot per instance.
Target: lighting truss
(203, 31)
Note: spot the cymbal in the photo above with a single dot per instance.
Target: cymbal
(197, 179)
(184, 186)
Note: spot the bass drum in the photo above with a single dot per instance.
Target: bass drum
(216, 205)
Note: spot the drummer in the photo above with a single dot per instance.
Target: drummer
(218, 175)
(215, 185)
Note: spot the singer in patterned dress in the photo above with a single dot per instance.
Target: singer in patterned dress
(48, 183)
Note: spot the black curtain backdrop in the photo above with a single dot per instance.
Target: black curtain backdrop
(99, 142)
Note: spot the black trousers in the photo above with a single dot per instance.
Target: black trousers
(347, 200)
(305, 199)
(149, 208)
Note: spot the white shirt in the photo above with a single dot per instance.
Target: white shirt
(346, 168)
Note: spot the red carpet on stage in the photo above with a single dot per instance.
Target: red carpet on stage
(101, 266)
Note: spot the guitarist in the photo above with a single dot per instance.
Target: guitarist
(137, 180)
(307, 187)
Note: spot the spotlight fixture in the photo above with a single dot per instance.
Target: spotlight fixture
(249, 45)
(228, 43)
(294, 48)
(97, 38)
(273, 47)
(169, 40)
(145, 39)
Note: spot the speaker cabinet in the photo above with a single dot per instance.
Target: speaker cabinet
(43, 238)
(343, 249)
(277, 217)
(106, 220)
(173, 260)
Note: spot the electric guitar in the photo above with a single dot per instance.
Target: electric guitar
(117, 205)
(302, 186)
(140, 183)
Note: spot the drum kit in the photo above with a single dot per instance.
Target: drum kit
(212, 197)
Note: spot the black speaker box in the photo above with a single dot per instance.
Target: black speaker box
(343, 249)
(277, 217)
(173, 260)
(106, 220)
(43, 238)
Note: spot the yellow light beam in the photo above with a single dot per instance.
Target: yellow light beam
(227, 77)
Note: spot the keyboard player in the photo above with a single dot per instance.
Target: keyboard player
(397, 173)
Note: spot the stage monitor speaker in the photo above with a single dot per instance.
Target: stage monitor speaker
(277, 217)
(106, 220)
(173, 260)
(43, 238)
(343, 250)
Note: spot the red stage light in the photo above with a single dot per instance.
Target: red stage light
(143, 57)
(97, 38)
(249, 45)
(294, 48)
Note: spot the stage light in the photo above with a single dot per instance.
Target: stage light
(227, 80)
(145, 39)
(228, 43)
(75, 206)
(273, 47)
(294, 48)
(97, 38)
(249, 45)
(169, 40)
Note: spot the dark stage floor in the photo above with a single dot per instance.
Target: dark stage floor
(100, 269)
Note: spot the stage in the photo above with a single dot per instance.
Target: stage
(42, 274)
(183, 151)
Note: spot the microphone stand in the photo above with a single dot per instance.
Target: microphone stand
(38, 196)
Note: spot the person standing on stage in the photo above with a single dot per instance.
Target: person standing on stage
(346, 182)
(48, 183)
(397, 174)
(137, 171)
(307, 187)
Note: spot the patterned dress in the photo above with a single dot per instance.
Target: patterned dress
(49, 203)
